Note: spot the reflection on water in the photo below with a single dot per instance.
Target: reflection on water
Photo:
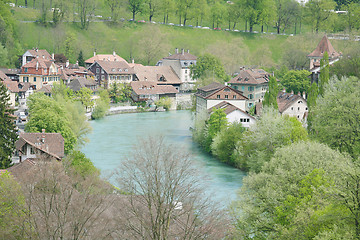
(113, 137)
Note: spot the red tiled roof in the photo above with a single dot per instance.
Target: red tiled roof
(324, 46)
(40, 53)
(105, 57)
(53, 143)
(40, 64)
(228, 108)
(150, 88)
(242, 97)
(251, 76)
(156, 74)
(3, 76)
(117, 67)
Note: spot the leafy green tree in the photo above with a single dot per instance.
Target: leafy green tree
(86, 11)
(120, 92)
(217, 14)
(8, 135)
(208, 66)
(69, 46)
(270, 98)
(63, 91)
(81, 59)
(184, 10)
(102, 105)
(46, 113)
(153, 7)
(164, 102)
(135, 6)
(224, 143)
(353, 15)
(84, 95)
(336, 116)
(214, 125)
(324, 73)
(347, 66)
(200, 11)
(81, 165)
(167, 7)
(114, 6)
(253, 11)
(296, 81)
(269, 133)
(286, 13)
(292, 197)
(319, 12)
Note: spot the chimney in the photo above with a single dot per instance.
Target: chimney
(188, 51)
(182, 51)
(43, 136)
(53, 56)
(132, 61)
(67, 63)
(304, 95)
(94, 53)
(77, 62)
(284, 90)
(176, 50)
(36, 49)
(292, 92)
(114, 53)
(299, 94)
(37, 65)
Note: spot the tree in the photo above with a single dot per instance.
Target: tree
(46, 113)
(86, 11)
(80, 164)
(286, 12)
(311, 103)
(324, 73)
(253, 10)
(102, 105)
(269, 133)
(69, 46)
(296, 81)
(224, 143)
(270, 98)
(184, 9)
(81, 59)
(84, 95)
(352, 16)
(153, 7)
(8, 135)
(292, 197)
(208, 66)
(336, 116)
(165, 198)
(319, 12)
(114, 6)
(120, 92)
(167, 7)
(135, 7)
(200, 11)
(217, 14)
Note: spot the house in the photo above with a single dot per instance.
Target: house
(12, 90)
(145, 91)
(29, 55)
(110, 72)
(40, 72)
(315, 57)
(234, 114)
(46, 89)
(253, 83)
(12, 73)
(215, 93)
(25, 89)
(40, 145)
(293, 105)
(76, 83)
(104, 57)
(69, 71)
(162, 75)
(180, 63)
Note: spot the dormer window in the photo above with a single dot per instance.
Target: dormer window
(113, 69)
(25, 69)
(125, 69)
(226, 90)
(120, 70)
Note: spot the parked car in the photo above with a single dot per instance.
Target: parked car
(205, 28)
(171, 24)
(141, 21)
(217, 28)
(22, 116)
(236, 30)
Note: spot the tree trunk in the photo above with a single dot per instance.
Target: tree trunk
(167, 18)
(262, 28)
(133, 12)
(229, 23)
(234, 25)
(34, 5)
(164, 18)
(26, 3)
(245, 25)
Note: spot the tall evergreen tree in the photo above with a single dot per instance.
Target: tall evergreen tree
(271, 95)
(311, 103)
(324, 73)
(81, 59)
(8, 134)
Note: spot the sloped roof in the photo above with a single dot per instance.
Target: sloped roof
(324, 46)
(20, 169)
(228, 108)
(212, 86)
(105, 57)
(43, 63)
(160, 74)
(53, 143)
(10, 71)
(11, 85)
(45, 89)
(251, 76)
(40, 53)
(24, 86)
(3, 76)
(150, 88)
(285, 100)
(242, 97)
(181, 56)
(77, 83)
(117, 67)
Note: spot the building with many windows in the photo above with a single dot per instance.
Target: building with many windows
(253, 83)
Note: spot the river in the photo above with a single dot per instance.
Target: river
(114, 136)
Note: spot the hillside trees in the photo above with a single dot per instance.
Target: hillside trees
(184, 8)
(319, 14)
(270, 98)
(86, 11)
(153, 7)
(167, 7)
(286, 13)
(135, 7)
(8, 134)
(114, 6)
(324, 73)
(296, 81)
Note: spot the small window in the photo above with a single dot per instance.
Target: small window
(226, 90)
(25, 69)
(218, 96)
(298, 108)
(243, 88)
(34, 79)
(306, 108)
(120, 70)
(226, 96)
(185, 71)
(32, 152)
(126, 70)
(113, 69)
(292, 108)
(234, 96)
(97, 70)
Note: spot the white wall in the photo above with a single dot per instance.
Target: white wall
(237, 103)
(297, 109)
(236, 115)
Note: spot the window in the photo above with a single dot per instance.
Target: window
(32, 151)
(243, 88)
(97, 70)
(250, 96)
(113, 69)
(234, 96)
(120, 70)
(45, 70)
(26, 79)
(298, 108)
(292, 108)
(250, 89)
(306, 109)
(218, 96)
(126, 70)
(185, 71)
(34, 79)
(25, 69)
(102, 77)
(226, 90)
(226, 96)
(235, 87)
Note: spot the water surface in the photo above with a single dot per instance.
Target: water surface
(113, 137)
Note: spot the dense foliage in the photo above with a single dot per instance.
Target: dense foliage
(8, 134)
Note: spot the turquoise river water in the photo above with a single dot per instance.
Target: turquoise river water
(113, 138)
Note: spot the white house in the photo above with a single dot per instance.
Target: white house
(293, 105)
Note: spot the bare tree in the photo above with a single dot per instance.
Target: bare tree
(86, 12)
(166, 200)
